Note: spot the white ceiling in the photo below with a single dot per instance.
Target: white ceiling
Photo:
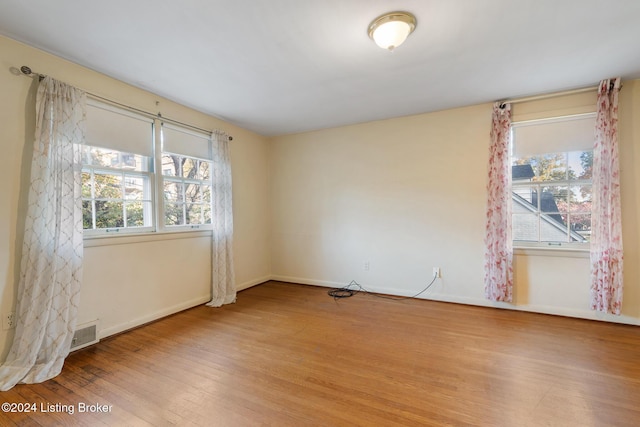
(285, 66)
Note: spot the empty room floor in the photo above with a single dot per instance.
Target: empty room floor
(289, 354)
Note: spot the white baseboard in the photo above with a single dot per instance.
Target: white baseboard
(313, 282)
(172, 310)
(580, 314)
(153, 316)
(250, 283)
(557, 311)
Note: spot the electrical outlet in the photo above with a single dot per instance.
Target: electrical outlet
(9, 320)
(436, 272)
(366, 266)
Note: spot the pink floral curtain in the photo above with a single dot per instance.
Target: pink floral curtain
(606, 224)
(498, 266)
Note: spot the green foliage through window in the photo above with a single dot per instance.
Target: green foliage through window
(187, 190)
(115, 190)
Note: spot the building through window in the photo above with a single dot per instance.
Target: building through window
(551, 180)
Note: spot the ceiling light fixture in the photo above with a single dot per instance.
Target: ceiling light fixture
(392, 29)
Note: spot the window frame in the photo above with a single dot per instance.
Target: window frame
(185, 181)
(92, 170)
(547, 245)
(160, 205)
(154, 176)
(148, 175)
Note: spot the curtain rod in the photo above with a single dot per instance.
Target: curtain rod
(549, 95)
(555, 94)
(27, 72)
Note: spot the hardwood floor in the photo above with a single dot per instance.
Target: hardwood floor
(289, 355)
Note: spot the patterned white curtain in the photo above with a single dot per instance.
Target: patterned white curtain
(50, 276)
(606, 223)
(223, 286)
(498, 266)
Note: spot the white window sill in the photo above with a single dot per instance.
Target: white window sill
(551, 251)
(126, 239)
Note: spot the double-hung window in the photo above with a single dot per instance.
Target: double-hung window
(117, 172)
(142, 175)
(186, 181)
(551, 181)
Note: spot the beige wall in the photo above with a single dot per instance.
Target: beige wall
(141, 281)
(408, 194)
(404, 195)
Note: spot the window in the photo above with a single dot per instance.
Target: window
(186, 180)
(117, 171)
(116, 190)
(118, 180)
(551, 181)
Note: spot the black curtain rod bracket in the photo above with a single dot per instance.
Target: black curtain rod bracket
(27, 72)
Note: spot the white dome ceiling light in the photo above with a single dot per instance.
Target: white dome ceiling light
(392, 29)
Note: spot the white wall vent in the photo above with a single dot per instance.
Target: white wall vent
(85, 335)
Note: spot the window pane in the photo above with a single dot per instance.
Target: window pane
(135, 214)
(173, 191)
(525, 227)
(87, 215)
(147, 209)
(580, 198)
(108, 186)
(86, 184)
(525, 195)
(134, 162)
(192, 192)
(171, 165)
(173, 214)
(134, 188)
(194, 213)
(206, 213)
(86, 155)
(580, 164)
(96, 156)
(203, 170)
(120, 201)
(549, 167)
(102, 157)
(189, 168)
(554, 199)
(109, 214)
(553, 229)
(580, 226)
(206, 193)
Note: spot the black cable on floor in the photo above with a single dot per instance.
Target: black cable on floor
(354, 288)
